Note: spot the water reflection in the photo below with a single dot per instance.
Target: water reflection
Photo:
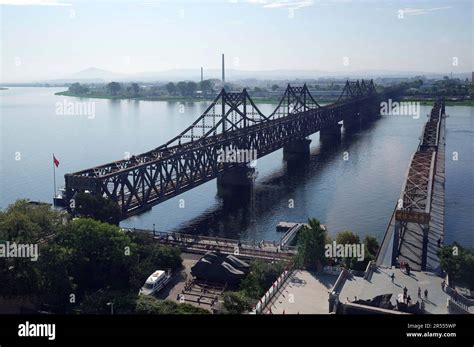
(237, 217)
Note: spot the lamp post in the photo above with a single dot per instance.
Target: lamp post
(111, 304)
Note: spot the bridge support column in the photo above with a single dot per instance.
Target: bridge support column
(369, 113)
(331, 134)
(237, 180)
(296, 150)
(352, 122)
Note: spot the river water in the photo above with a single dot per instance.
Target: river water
(356, 194)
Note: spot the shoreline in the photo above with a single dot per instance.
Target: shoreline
(264, 100)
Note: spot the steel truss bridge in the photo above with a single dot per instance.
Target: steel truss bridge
(418, 220)
(231, 122)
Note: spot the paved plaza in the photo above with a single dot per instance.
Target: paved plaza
(381, 283)
(303, 293)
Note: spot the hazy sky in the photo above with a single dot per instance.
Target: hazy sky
(56, 38)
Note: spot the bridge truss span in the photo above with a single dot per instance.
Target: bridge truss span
(232, 121)
(416, 229)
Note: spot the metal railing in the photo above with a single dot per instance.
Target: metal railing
(270, 293)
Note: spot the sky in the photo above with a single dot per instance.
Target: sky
(49, 39)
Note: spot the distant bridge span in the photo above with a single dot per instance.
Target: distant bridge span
(232, 121)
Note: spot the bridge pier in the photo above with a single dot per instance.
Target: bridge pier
(237, 180)
(296, 149)
(331, 134)
(369, 113)
(352, 122)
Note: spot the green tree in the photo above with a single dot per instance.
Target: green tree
(135, 88)
(25, 223)
(191, 88)
(95, 261)
(371, 245)
(151, 257)
(97, 207)
(124, 302)
(260, 278)
(100, 254)
(57, 284)
(275, 87)
(171, 88)
(458, 262)
(181, 86)
(113, 88)
(206, 86)
(237, 302)
(311, 243)
(77, 88)
(347, 237)
(147, 304)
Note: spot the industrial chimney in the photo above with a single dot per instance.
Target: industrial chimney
(223, 69)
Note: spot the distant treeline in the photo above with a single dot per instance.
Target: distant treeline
(183, 89)
(446, 87)
(134, 90)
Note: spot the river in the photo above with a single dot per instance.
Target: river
(357, 194)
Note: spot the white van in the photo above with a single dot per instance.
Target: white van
(155, 282)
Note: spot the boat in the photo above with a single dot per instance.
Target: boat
(155, 282)
(60, 199)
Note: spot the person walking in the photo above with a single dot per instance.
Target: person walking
(426, 294)
(419, 292)
(392, 276)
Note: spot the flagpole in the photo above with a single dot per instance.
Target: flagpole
(54, 176)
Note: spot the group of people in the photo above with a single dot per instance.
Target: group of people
(404, 266)
(407, 297)
(408, 300)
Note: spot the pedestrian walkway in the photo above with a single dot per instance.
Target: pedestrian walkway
(303, 293)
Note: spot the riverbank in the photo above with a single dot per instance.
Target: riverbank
(256, 99)
(146, 98)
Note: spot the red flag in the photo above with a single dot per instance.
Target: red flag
(55, 161)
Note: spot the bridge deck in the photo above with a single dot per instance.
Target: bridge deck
(421, 251)
(424, 193)
(291, 234)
